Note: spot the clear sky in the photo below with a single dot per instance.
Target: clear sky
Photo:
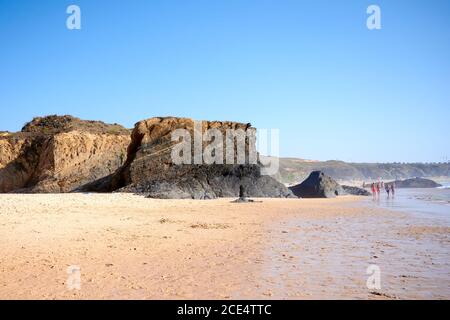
(312, 69)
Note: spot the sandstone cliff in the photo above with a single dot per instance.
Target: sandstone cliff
(149, 168)
(59, 154)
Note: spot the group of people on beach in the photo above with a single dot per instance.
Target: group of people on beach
(376, 188)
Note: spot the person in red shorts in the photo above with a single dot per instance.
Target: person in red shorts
(373, 190)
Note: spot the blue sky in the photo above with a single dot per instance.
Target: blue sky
(312, 69)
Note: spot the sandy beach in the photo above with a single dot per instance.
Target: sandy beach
(130, 247)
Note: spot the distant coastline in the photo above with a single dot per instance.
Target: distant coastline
(293, 171)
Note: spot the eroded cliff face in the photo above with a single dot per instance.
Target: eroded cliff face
(9, 149)
(73, 159)
(18, 158)
(150, 169)
(60, 154)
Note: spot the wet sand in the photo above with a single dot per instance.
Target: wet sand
(129, 247)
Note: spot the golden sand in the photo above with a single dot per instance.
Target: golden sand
(130, 247)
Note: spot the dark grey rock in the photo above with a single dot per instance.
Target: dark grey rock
(210, 182)
(317, 185)
(416, 183)
(356, 191)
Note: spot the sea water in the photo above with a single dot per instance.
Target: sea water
(426, 203)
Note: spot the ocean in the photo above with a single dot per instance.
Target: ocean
(431, 203)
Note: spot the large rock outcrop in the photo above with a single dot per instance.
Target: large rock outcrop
(317, 185)
(59, 154)
(149, 168)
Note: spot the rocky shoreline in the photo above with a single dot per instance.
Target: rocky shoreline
(59, 154)
(66, 154)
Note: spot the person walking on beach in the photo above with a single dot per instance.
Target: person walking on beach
(374, 191)
(378, 189)
(393, 189)
(388, 189)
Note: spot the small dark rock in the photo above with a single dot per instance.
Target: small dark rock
(356, 191)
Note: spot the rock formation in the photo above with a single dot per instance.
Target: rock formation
(317, 185)
(149, 168)
(59, 154)
(416, 183)
(356, 191)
